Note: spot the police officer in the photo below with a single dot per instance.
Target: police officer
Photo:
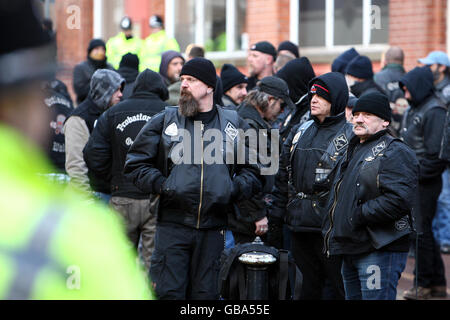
(174, 157)
(122, 43)
(368, 219)
(307, 164)
(52, 246)
(155, 44)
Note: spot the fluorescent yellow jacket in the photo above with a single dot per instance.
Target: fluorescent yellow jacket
(54, 245)
(118, 46)
(154, 45)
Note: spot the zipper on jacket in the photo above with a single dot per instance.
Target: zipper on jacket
(333, 207)
(201, 183)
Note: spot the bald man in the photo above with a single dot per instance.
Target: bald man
(387, 79)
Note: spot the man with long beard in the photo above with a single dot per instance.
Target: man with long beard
(195, 193)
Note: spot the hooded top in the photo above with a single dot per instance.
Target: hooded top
(419, 82)
(166, 57)
(338, 88)
(149, 81)
(297, 73)
(103, 84)
(340, 63)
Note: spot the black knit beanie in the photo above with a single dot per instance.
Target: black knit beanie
(231, 77)
(321, 89)
(375, 103)
(129, 60)
(96, 43)
(202, 69)
(360, 67)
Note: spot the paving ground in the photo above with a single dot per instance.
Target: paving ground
(406, 282)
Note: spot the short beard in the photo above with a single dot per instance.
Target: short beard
(188, 106)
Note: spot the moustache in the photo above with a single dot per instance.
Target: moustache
(360, 126)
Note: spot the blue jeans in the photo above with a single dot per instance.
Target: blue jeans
(372, 276)
(441, 222)
(103, 197)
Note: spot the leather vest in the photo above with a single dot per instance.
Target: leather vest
(412, 126)
(173, 121)
(369, 189)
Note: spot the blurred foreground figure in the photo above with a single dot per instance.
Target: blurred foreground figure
(52, 246)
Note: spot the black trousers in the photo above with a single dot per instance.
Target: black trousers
(322, 277)
(430, 267)
(185, 264)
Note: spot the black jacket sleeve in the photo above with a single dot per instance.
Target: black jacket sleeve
(247, 180)
(430, 165)
(280, 191)
(140, 165)
(398, 180)
(98, 151)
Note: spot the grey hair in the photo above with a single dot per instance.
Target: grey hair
(258, 99)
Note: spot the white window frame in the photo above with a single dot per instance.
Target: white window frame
(329, 48)
(199, 36)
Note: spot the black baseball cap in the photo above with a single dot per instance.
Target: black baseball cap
(276, 87)
(265, 47)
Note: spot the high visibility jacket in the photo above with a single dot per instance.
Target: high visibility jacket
(119, 45)
(154, 45)
(54, 245)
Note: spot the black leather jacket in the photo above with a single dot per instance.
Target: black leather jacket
(374, 189)
(193, 192)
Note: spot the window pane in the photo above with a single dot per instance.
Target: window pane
(215, 25)
(241, 28)
(348, 28)
(379, 21)
(312, 23)
(184, 22)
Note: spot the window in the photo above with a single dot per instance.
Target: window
(218, 25)
(342, 22)
(312, 23)
(348, 22)
(184, 22)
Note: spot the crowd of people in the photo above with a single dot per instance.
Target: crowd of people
(361, 177)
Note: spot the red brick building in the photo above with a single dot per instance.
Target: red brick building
(323, 28)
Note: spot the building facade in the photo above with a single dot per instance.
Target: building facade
(226, 28)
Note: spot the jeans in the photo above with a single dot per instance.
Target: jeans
(103, 197)
(373, 276)
(441, 222)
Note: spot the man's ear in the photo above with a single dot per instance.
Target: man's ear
(209, 90)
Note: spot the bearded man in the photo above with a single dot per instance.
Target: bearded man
(196, 187)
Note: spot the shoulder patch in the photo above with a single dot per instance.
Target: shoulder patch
(231, 131)
(378, 148)
(171, 130)
(340, 142)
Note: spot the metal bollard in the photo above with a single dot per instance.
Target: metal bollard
(257, 277)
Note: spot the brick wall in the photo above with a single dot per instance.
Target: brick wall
(142, 10)
(268, 20)
(72, 41)
(418, 27)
